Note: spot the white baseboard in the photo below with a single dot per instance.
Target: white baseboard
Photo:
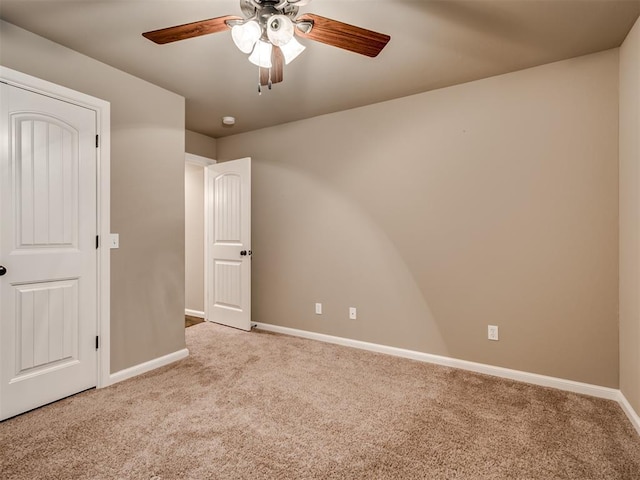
(629, 411)
(533, 378)
(147, 366)
(193, 313)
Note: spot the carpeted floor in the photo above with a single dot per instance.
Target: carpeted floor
(265, 406)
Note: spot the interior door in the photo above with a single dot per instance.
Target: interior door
(228, 240)
(48, 297)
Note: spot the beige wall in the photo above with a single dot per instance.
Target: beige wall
(492, 202)
(147, 193)
(194, 237)
(630, 217)
(199, 144)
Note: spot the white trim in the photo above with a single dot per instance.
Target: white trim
(629, 411)
(193, 313)
(103, 126)
(190, 158)
(198, 160)
(533, 378)
(207, 249)
(145, 367)
(104, 252)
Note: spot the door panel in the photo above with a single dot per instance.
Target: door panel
(227, 209)
(228, 284)
(46, 172)
(228, 219)
(46, 324)
(48, 297)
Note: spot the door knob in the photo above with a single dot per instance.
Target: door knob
(243, 253)
(2, 270)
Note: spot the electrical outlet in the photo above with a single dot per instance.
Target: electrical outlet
(353, 313)
(318, 309)
(492, 333)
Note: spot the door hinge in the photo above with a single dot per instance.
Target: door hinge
(97, 241)
(97, 141)
(97, 342)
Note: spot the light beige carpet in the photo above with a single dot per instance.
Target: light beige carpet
(264, 406)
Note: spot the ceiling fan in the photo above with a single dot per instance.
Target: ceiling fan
(267, 32)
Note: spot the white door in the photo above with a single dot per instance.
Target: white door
(228, 243)
(48, 306)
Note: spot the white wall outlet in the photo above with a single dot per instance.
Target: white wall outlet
(318, 309)
(353, 313)
(492, 333)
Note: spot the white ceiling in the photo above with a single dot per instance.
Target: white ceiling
(433, 44)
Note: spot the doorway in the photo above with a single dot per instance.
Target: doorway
(194, 237)
(218, 253)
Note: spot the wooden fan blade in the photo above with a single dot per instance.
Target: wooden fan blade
(342, 35)
(277, 65)
(190, 30)
(264, 76)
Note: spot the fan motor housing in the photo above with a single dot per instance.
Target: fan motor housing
(266, 8)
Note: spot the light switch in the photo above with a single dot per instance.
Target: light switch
(114, 240)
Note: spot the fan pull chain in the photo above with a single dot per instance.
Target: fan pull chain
(269, 82)
(259, 83)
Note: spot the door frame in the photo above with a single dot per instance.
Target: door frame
(102, 110)
(202, 162)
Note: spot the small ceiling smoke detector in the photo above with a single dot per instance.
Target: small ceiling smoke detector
(229, 121)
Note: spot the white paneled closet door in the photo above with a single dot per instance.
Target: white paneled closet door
(228, 243)
(48, 297)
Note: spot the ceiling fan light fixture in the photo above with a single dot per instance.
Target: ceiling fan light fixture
(246, 35)
(267, 30)
(304, 26)
(291, 50)
(261, 55)
(279, 30)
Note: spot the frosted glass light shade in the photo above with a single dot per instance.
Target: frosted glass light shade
(261, 55)
(279, 30)
(291, 50)
(246, 35)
